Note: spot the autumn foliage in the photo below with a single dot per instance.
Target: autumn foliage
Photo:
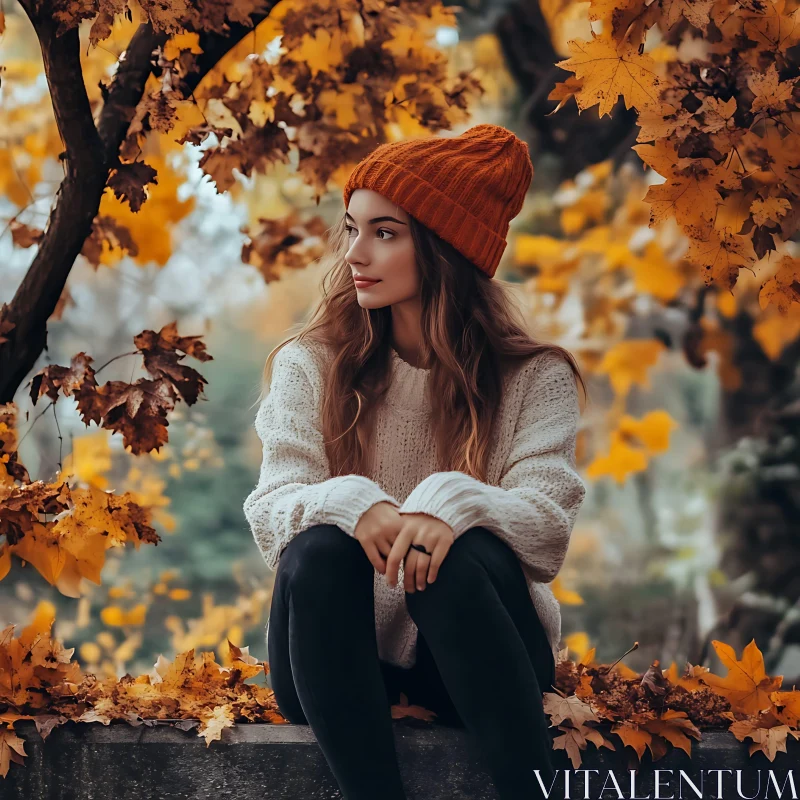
(136, 410)
(719, 126)
(64, 530)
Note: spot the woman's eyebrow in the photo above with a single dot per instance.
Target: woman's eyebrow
(378, 219)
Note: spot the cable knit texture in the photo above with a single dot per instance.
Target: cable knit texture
(530, 500)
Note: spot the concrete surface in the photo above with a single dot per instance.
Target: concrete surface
(90, 761)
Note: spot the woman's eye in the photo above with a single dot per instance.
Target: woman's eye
(350, 229)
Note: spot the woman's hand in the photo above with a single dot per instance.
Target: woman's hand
(419, 569)
(376, 530)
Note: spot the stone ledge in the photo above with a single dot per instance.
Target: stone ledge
(121, 762)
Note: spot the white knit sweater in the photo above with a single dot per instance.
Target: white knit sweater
(530, 500)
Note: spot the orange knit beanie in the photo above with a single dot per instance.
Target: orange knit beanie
(465, 188)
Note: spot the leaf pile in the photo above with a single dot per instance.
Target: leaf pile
(661, 707)
(40, 682)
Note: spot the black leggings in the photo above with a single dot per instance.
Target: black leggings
(483, 660)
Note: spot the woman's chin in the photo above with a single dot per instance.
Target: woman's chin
(369, 302)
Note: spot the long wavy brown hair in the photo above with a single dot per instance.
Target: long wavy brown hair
(472, 330)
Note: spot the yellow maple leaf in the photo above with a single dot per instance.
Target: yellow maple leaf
(768, 738)
(320, 52)
(589, 208)
(775, 331)
(770, 209)
(689, 197)
(657, 275)
(770, 93)
(5, 560)
(651, 431)
(531, 250)
(674, 726)
(773, 26)
(12, 748)
(628, 362)
(609, 70)
(182, 41)
(621, 461)
(568, 596)
(341, 104)
(147, 489)
(721, 254)
(789, 704)
(633, 736)
(116, 617)
(783, 288)
(578, 643)
(89, 460)
(606, 242)
(42, 549)
(689, 680)
(151, 228)
(211, 725)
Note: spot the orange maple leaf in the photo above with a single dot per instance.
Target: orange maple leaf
(747, 686)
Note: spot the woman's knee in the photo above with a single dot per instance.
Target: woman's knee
(459, 575)
(320, 554)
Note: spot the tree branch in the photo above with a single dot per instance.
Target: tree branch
(127, 89)
(91, 152)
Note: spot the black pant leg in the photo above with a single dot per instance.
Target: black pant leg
(490, 649)
(324, 659)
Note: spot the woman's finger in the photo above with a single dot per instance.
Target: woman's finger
(422, 569)
(385, 546)
(374, 556)
(397, 554)
(439, 552)
(410, 570)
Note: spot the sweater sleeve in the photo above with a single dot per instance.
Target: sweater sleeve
(535, 505)
(295, 489)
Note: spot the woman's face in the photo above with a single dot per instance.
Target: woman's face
(380, 248)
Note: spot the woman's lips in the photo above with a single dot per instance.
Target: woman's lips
(364, 284)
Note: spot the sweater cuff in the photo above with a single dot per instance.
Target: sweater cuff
(349, 497)
(452, 497)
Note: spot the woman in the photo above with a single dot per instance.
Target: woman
(418, 485)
